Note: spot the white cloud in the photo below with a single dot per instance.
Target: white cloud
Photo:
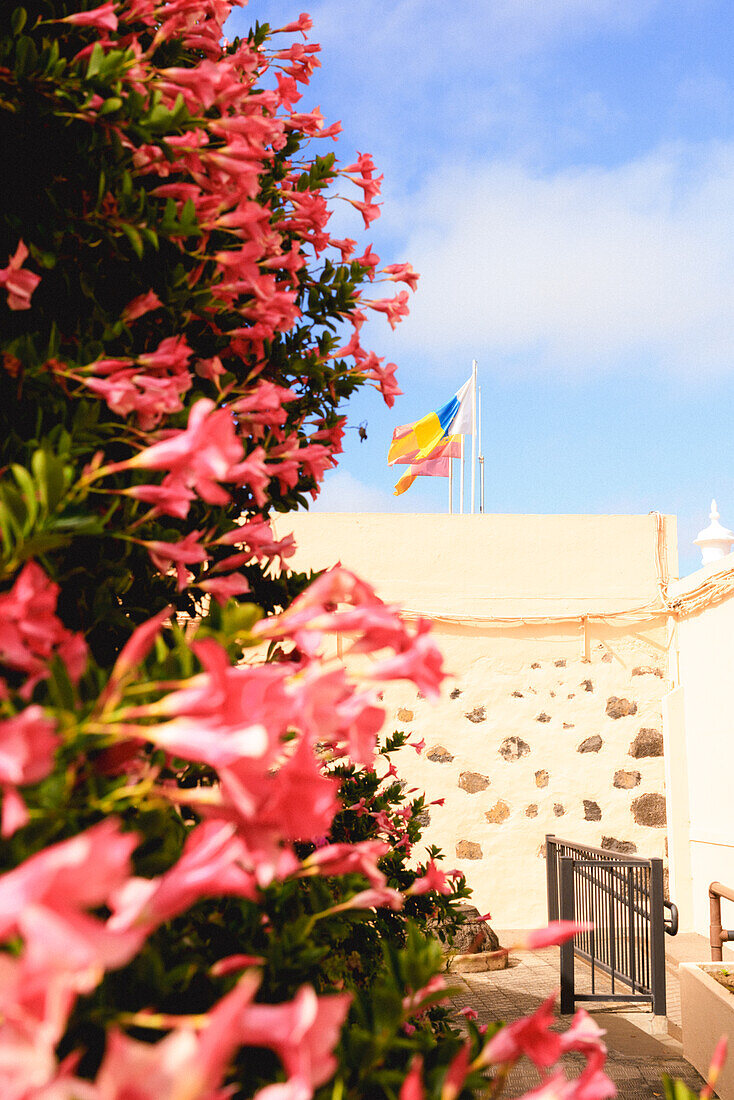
(581, 270)
(343, 493)
(492, 32)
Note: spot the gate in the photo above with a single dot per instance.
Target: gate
(622, 896)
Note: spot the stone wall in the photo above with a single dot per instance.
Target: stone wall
(551, 722)
(546, 744)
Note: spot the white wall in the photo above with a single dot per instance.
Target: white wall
(701, 747)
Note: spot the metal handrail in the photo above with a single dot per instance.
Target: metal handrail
(717, 934)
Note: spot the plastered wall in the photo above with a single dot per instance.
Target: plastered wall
(700, 732)
(544, 727)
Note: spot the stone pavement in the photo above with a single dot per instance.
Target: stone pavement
(640, 1049)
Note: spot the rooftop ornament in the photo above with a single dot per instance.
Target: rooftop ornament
(715, 541)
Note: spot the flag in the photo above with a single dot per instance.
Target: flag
(435, 464)
(420, 439)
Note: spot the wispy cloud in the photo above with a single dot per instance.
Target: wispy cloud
(582, 270)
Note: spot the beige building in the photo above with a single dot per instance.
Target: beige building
(557, 635)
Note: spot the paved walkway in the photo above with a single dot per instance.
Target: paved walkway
(640, 1049)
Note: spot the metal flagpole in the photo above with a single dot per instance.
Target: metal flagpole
(481, 456)
(461, 477)
(473, 430)
(451, 486)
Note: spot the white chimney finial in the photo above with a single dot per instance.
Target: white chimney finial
(715, 541)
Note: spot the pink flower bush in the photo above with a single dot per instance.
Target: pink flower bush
(206, 888)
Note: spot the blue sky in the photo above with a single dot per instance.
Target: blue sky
(561, 172)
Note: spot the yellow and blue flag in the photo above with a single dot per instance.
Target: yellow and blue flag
(420, 439)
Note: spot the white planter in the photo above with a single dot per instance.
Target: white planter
(707, 1011)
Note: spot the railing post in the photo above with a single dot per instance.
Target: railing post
(717, 953)
(567, 907)
(657, 937)
(551, 875)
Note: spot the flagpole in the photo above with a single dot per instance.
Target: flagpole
(461, 477)
(481, 456)
(451, 486)
(473, 430)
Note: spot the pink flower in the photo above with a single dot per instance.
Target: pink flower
(456, 1074)
(186, 552)
(344, 859)
(530, 1035)
(184, 1063)
(412, 1087)
(32, 633)
(141, 305)
(584, 1034)
(27, 746)
(201, 454)
(432, 879)
(222, 588)
(718, 1058)
(402, 273)
(19, 284)
(302, 1032)
(213, 862)
(469, 1013)
(422, 663)
(394, 308)
(557, 932)
(44, 901)
(434, 992)
(379, 897)
(103, 18)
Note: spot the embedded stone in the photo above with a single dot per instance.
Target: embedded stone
(543, 717)
(468, 849)
(572, 695)
(424, 818)
(625, 847)
(517, 695)
(558, 809)
(512, 748)
(620, 708)
(649, 742)
(625, 780)
(568, 725)
(439, 755)
(541, 778)
(587, 685)
(647, 670)
(405, 715)
(477, 715)
(649, 809)
(592, 810)
(553, 695)
(455, 693)
(607, 658)
(561, 663)
(531, 810)
(540, 851)
(472, 782)
(591, 744)
(499, 813)
(535, 664)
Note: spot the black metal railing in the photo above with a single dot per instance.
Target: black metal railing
(622, 897)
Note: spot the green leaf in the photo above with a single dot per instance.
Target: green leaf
(28, 489)
(18, 20)
(26, 56)
(95, 60)
(114, 103)
(136, 241)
